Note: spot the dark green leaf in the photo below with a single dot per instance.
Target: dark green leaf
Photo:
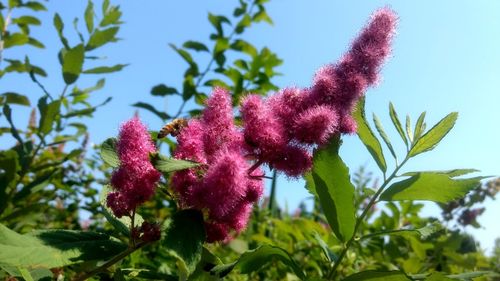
(367, 136)
(105, 69)
(35, 6)
(430, 186)
(397, 123)
(55, 248)
(194, 45)
(89, 16)
(109, 154)
(188, 88)
(14, 98)
(384, 136)
(431, 139)
(163, 90)
(184, 237)
(217, 21)
(372, 275)
(183, 53)
(35, 43)
(48, 114)
(254, 260)
(9, 163)
(8, 115)
(168, 165)
(335, 190)
(72, 63)
(15, 39)
(59, 25)
(26, 20)
(102, 37)
(151, 109)
(245, 22)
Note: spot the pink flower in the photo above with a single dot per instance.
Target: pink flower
(293, 161)
(316, 124)
(135, 179)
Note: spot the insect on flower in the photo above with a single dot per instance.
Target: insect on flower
(173, 128)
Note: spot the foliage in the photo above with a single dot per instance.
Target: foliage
(358, 229)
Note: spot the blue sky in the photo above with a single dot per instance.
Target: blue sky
(445, 59)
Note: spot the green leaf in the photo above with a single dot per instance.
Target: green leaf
(384, 136)
(105, 69)
(408, 129)
(8, 115)
(163, 90)
(14, 98)
(35, 6)
(254, 260)
(168, 165)
(245, 47)
(335, 190)
(72, 63)
(151, 109)
(112, 16)
(9, 163)
(15, 39)
(48, 114)
(430, 186)
(372, 275)
(109, 154)
(245, 22)
(217, 21)
(184, 237)
(183, 53)
(102, 37)
(367, 136)
(59, 25)
(55, 248)
(471, 275)
(423, 232)
(89, 16)
(451, 173)
(194, 45)
(329, 254)
(397, 123)
(35, 43)
(431, 139)
(26, 20)
(419, 126)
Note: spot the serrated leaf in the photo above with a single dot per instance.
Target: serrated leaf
(168, 165)
(89, 16)
(431, 138)
(14, 98)
(184, 237)
(109, 154)
(409, 133)
(372, 275)
(397, 123)
(335, 190)
(55, 248)
(451, 173)
(367, 136)
(430, 186)
(151, 109)
(163, 90)
(72, 63)
(102, 37)
(105, 69)
(384, 136)
(254, 260)
(194, 45)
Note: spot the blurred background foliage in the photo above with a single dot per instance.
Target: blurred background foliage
(51, 178)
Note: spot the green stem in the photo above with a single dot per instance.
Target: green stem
(333, 271)
(109, 263)
(273, 193)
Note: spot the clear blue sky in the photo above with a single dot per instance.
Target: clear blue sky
(446, 58)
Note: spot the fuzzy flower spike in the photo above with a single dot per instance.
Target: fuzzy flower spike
(135, 179)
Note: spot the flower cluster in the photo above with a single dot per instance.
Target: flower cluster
(135, 180)
(221, 186)
(279, 131)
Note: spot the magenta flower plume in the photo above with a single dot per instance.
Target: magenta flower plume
(316, 124)
(135, 179)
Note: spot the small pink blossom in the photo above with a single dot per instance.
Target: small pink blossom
(316, 124)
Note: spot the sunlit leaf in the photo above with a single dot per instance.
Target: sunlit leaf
(89, 16)
(372, 275)
(72, 63)
(335, 190)
(14, 98)
(367, 136)
(397, 123)
(109, 154)
(431, 138)
(168, 165)
(381, 131)
(102, 37)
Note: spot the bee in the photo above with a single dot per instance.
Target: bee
(173, 128)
